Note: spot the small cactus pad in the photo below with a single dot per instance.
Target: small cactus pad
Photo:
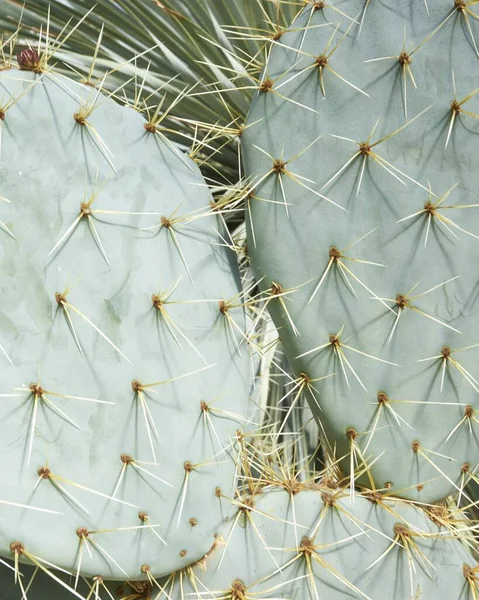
(313, 544)
(122, 378)
(363, 220)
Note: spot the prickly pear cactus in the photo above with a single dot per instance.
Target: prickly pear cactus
(123, 377)
(364, 231)
(316, 543)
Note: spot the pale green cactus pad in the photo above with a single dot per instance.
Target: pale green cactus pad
(364, 227)
(314, 544)
(123, 377)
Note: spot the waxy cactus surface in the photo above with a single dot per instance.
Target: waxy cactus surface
(364, 227)
(133, 466)
(303, 546)
(122, 377)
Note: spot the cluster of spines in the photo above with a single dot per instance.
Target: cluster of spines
(276, 471)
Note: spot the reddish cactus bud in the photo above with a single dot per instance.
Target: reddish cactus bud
(29, 60)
